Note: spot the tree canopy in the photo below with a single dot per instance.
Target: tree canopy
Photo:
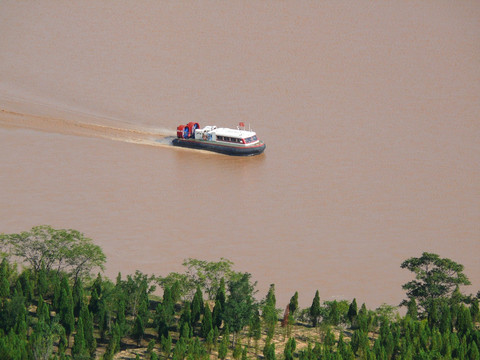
(205, 274)
(61, 250)
(435, 278)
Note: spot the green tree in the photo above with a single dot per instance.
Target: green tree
(67, 318)
(412, 308)
(135, 290)
(217, 315)
(42, 282)
(180, 285)
(218, 309)
(160, 322)
(289, 349)
(166, 345)
(209, 274)
(474, 310)
(138, 330)
(79, 348)
(315, 310)
(207, 325)
(60, 250)
(87, 320)
(352, 311)
(474, 354)
(197, 305)
(240, 304)
(27, 286)
(12, 312)
(255, 326)
(223, 347)
(435, 278)
(43, 311)
(78, 297)
(4, 281)
(269, 312)
(168, 306)
(237, 351)
(269, 351)
(293, 304)
(42, 339)
(334, 313)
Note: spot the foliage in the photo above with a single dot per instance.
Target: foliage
(314, 311)
(240, 304)
(61, 250)
(435, 278)
(352, 311)
(293, 304)
(269, 312)
(200, 273)
(29, 330)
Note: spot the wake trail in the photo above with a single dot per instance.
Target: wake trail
(93, 127)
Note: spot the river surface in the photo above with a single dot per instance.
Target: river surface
(370, 112)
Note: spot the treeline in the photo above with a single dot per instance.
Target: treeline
(53, 309)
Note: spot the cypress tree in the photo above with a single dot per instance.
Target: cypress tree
(138, 330)
(168, 306)
(217, 317)
(114, 344)
(474, 354)
(57, 293)
(166, 345)
(464, 321)
(209, 341)
(352, 311)
(4, 282)
(185, 321)
(79, 348)
(244, 353)
(219, 308)
(221, 294)
(269, 313)
(78, 297)
(27, 287)
(121, 317)
(43, 311)
(97, 285)
(474, 310)
(446, 319)
(255, 326)
(103, 319)
(314, 310)
(237, 351)
(87, 320)
(223, 347)
(42, 283)
(293, 304)
(176, 292)
(289, 349)
(162, 327)
(269, 351)
(66, 312)
(197, 306)
(412, 309)
(207, 324)
(334, 315)
(94, 304)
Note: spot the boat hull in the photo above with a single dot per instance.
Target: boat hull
(256, 149)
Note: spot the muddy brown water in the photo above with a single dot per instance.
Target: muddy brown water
(370, 113)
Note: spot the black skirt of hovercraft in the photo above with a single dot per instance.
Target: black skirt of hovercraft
(222, 149)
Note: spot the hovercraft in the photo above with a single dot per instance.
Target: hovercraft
(236, 142)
